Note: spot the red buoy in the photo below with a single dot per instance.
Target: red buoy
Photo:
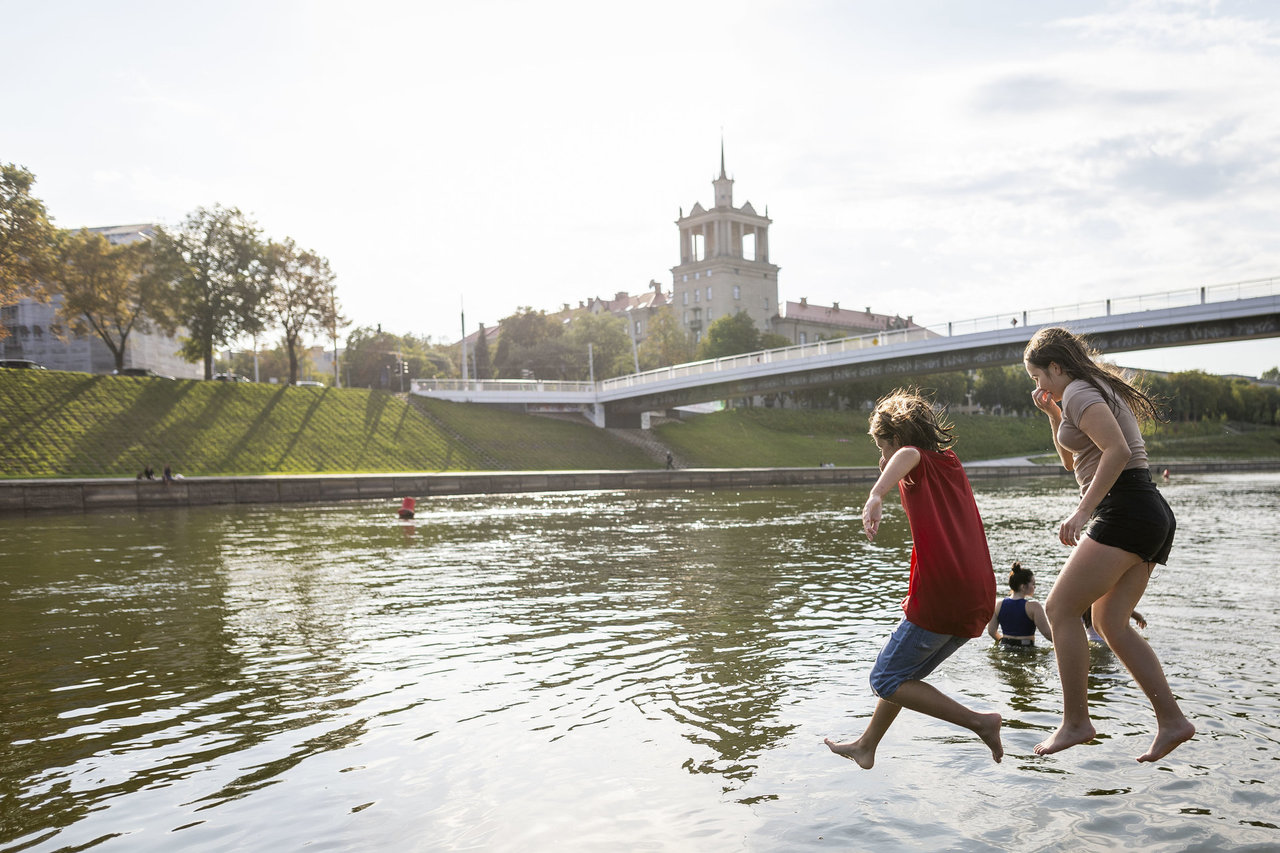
(406, 508)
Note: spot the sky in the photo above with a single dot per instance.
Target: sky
(929, 158)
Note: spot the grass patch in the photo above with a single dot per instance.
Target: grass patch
(58, 424)
(63, 424)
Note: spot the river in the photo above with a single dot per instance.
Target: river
(601, 670)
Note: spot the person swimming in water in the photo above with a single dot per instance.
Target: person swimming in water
(1017, 618)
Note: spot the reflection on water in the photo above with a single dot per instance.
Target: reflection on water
(588, 670)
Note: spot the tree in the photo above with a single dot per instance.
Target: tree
(667, 342)
(530, 341)
(1271, 374)
(27, 238)
(483, 363)
(108, 289)
(300, 297)
(1005, 388)
(773, 340)
(219, 279)
(730, 335)
(610, 346)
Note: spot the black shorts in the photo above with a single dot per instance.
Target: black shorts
(1135, 517)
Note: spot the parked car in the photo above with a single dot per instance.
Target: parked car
(309, 383)
(139, 371)
(230, 377)
(22, 364)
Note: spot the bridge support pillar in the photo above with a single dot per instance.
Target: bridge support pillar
(608, 417)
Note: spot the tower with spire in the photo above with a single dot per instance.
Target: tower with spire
(724, 262)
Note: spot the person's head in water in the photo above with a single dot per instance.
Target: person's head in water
(1020, 579)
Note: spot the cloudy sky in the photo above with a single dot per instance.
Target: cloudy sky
(942, 159)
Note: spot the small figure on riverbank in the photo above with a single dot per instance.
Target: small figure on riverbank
(1121, 528)
(147, 473)
(671, 461)
(168, 474)
(1017, 617)
(951, 584)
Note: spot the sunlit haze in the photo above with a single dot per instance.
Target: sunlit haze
(936, 159)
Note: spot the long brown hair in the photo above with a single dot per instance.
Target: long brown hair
(904, 417)
(1080, 361)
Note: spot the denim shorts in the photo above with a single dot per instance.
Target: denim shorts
(910, 654)
(1135, 517)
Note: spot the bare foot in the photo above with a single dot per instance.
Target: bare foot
(865, 758)
(1065, 737)
(989, 731)
(1167, 738)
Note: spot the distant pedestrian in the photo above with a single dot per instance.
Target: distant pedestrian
(168, 474)
(671, 462)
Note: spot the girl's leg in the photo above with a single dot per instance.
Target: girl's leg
(863, 750)
(924, 698)
(1090, 572)
(1111, 615)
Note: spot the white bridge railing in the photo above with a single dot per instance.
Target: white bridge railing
(894, 337)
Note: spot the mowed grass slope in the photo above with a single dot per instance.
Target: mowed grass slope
(750, 438)
(61, 424)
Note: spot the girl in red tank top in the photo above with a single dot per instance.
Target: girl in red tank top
(951, 583)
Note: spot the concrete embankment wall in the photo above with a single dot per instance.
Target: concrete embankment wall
(78, 495)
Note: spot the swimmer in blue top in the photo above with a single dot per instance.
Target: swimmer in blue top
(1017, 617)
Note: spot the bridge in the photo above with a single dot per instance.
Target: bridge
(1214, 314)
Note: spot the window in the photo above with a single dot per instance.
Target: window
(684, 277)
(697, 296)
(804, 337)
(708, 293)
(737, 291)
(685, 297)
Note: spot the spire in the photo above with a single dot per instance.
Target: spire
(724, 183)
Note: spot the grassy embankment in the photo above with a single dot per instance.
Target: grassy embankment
(770, 437)
(55, 424)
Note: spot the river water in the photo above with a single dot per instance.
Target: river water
(600, 671)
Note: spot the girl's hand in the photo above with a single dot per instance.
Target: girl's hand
(1070, 531)
(871, 512)
(1044, 402)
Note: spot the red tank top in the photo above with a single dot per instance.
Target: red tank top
(952, 584)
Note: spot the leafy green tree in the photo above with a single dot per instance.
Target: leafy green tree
(773, 340)
(1196, 395)
(1271, 374)
(27, 238)
(730, 335)
(530, 341)
(610, 346)
(219, 279)
(483, 363)
(666, 343)
(300, 298)
(107, 289)
(1006, 388)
